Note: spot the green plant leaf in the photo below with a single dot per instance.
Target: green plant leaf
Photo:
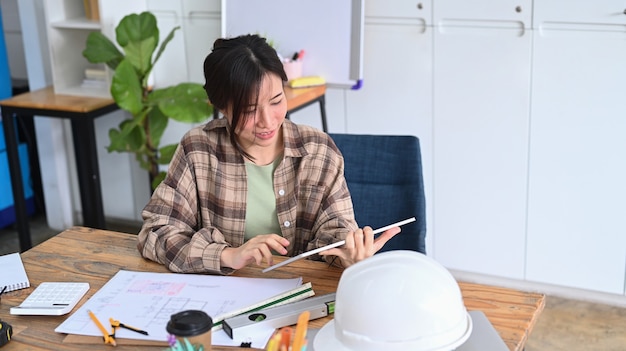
(166, 153)
(129, 137)
(144, 161)
(116, 143)
(139, 36)
(185, 102)
(100, 49)
(169, 38)
(158, 179)
(136, 27)
(126, 88)
(156, 127)
(139, 54)
(135, 138)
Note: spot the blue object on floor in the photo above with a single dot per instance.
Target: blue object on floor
(6, 89)
(7, 210)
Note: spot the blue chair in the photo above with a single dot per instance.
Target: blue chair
(384, 175)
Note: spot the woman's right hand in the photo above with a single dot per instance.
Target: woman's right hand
(255, 250)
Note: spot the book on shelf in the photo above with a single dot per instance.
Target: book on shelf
(94, 83)
(92, 10)
(95, 73)
(13, 275)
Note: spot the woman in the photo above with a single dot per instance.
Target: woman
(252, 184)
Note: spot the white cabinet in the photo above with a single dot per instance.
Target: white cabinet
(183, 59)
(481, 115)
(578, 12)
(483, 12)
(396, 97)
(171, 67)
(200, 24)
(202, 21)
(577, 177)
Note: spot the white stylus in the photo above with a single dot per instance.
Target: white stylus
(338, 243)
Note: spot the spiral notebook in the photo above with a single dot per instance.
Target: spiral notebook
(13, 275)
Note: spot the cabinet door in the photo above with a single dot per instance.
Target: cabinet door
(562, 13)
(481, 115)
(202, 21)
(577, 187)
(488, 12)
(171, 68)
(396, 96)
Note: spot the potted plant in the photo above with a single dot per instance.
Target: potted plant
(150, 107)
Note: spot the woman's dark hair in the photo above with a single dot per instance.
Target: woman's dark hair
(233, 72)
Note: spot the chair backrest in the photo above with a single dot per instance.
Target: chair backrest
(384, 176)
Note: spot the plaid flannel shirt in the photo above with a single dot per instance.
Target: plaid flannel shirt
(200, 207)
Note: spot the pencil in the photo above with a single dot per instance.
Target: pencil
(105, 334)
(301, 328)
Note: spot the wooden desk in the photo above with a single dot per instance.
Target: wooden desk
(82, 111)
(83, 254)
(302, 97)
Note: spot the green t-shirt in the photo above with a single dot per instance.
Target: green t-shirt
(261, 217)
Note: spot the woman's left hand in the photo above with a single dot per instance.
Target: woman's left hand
(360, 245)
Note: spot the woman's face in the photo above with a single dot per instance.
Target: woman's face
(261, 134)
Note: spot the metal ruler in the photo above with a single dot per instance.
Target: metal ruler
(280, 316)
(297, 294)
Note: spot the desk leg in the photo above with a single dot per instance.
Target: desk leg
(88, 172)
(19, 202)
(322, 100)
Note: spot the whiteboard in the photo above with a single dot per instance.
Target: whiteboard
(329, 31)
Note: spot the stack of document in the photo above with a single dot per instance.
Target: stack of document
(146, 301)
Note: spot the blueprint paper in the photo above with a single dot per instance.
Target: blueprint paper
(146, 300)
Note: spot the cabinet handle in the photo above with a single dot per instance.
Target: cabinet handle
(420, 6)
(518, 9)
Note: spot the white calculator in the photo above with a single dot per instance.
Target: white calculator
(52, 299)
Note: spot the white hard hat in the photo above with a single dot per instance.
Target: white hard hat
(396, 300)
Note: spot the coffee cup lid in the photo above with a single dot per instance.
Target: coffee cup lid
(189, 323)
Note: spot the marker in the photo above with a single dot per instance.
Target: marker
(274, 343)
(298, 55)
(285, 338)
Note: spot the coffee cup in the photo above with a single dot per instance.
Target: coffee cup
(193, 325)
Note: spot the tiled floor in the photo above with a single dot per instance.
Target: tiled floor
(576, 325)
(564, 325)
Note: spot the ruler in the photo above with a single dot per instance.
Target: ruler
(280, 316)
(297, 294)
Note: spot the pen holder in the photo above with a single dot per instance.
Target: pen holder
(293, 69)
(193, 326)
